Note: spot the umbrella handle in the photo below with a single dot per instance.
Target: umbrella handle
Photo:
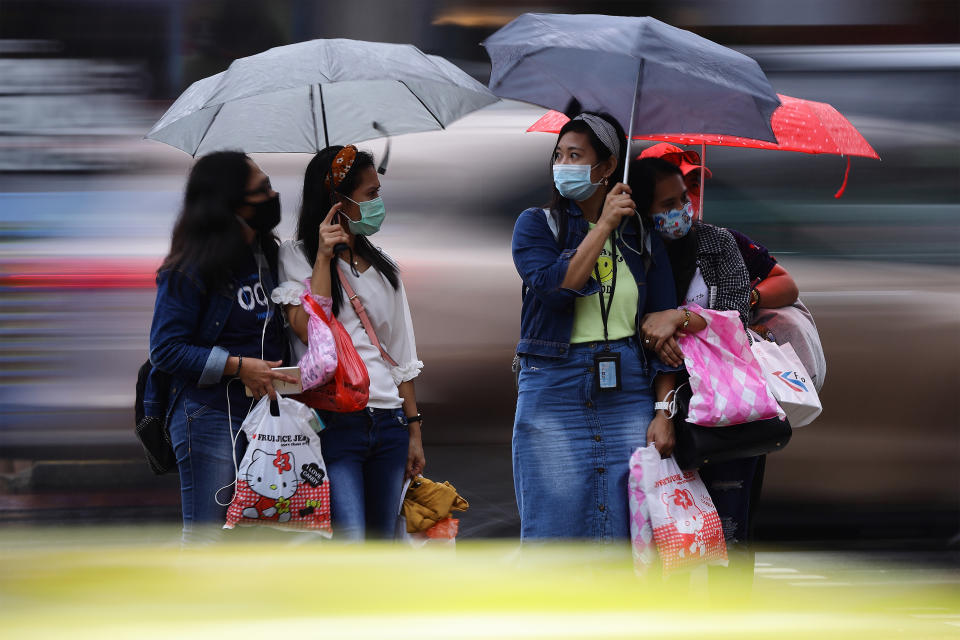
(382, 169)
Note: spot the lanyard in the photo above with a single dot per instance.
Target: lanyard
(605, 309)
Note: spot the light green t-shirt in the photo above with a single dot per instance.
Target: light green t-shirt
(622, 321)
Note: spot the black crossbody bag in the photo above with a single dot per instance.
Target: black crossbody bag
(152, 431)
(697, 445)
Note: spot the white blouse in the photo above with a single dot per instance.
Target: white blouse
(697, 292)
(387, 309)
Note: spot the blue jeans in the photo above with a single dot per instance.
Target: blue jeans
(366, 456)
(572, 443)
(203, 445)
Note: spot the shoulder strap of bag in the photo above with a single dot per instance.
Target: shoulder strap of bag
(552, 223)
(364, 320)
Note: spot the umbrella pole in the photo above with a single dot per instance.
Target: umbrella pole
(633, 106)
(703, 177)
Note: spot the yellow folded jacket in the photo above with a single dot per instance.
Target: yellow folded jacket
(427, 502)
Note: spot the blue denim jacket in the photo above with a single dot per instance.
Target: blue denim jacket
(186, 324)
(546, 320)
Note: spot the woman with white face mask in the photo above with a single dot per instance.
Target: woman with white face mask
(368, 453)
(708, 270)
(586, 387)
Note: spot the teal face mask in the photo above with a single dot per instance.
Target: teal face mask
(372, 213)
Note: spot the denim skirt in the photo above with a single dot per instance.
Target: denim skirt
(572, 442)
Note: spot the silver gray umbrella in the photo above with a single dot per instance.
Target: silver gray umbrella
(306, 96)
(652, 77)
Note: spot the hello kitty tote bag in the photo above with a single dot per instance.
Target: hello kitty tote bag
(673, 508)
(727, 382)
(282, 480)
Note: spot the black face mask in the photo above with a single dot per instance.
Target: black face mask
(266, 214)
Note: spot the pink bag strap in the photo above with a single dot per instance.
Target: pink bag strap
(364, 320)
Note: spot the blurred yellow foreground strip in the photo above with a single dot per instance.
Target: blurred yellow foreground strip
(137, 583)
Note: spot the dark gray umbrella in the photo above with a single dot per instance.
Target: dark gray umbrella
(652, 77)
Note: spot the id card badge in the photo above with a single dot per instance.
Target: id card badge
(606, 367)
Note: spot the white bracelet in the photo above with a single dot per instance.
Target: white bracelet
(669, 404)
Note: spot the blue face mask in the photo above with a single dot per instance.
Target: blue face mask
(573, 181)
(372, 213)
(674, 224)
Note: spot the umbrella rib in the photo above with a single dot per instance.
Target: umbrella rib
(323, 114)
(313, 117)
(207, 130)
(422, 102)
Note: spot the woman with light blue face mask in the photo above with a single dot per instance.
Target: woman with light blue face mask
(588, 392)
(368, 453)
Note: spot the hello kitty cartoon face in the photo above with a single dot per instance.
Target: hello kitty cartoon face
(272, 475)
(683, 509)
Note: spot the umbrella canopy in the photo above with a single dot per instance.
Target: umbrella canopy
(667, 78)
(306, 96)
(799, 125)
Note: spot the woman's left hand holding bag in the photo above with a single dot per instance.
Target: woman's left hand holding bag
(660, 432)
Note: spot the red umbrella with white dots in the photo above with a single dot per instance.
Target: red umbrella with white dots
(799, 125)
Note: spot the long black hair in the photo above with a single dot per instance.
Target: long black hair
(208, 238)
(560, 206)
(317, 200)
(644, 176)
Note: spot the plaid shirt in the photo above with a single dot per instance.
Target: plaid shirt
(723, 270)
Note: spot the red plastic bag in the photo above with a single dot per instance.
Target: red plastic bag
(445, 529)
(349, 389)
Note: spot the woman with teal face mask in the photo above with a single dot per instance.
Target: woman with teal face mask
(368, 453)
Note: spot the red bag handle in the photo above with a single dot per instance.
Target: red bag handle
(361, 312)
(315, 307)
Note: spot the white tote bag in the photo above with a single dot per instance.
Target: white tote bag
(282, 481)
(794, 324)
(788, 380)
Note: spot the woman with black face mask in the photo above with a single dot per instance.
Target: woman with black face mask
(214, 328)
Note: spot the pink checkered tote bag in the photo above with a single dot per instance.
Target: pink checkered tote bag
(727, 383)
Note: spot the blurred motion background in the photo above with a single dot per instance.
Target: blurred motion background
(86, 208)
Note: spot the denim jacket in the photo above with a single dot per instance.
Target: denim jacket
(546, 320)
(186, 324)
